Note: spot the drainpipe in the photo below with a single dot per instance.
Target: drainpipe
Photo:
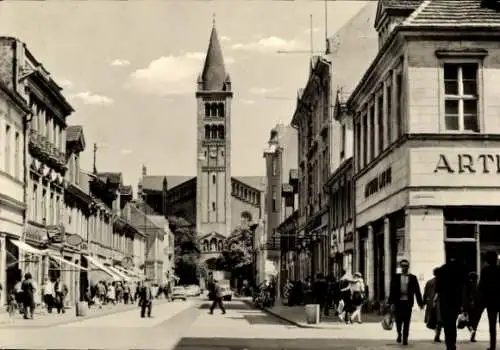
(26, 131)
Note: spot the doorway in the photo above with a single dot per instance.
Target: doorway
(465, 251)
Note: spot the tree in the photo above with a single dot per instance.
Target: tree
(187, 252)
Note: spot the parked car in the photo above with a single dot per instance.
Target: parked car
(179, 292)
(192, 290)
(227, 293)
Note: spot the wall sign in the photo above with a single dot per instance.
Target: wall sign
(465, 163)
(381, 181)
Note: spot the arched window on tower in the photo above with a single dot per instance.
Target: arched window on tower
(213, 245)
(220, 107)
(214, 131)
(205, 245)
(207, 109)
(221, 245)
(213, 109)
(221, 132)
(207, 131)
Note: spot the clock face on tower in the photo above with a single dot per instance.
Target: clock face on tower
(213, 153)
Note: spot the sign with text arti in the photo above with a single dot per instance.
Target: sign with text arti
(465, 163)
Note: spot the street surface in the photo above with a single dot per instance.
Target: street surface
(188, 326)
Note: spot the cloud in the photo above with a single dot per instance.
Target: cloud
(225, 38)
(169, 75)
(262, 90)
(125, 151)
(268, 44)
(89, 98)
(314, 30)
(119, 62)
(64, 83)
(247, 102)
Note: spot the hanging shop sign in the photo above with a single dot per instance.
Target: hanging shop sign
(74, 240)
(465, 163)
(35, 234)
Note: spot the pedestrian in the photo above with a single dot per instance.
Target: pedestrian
(432, 318)
(320, 292)
(404, 290)
(450, 283)
(29, 289)
(345, 307)
(217, 294)
(488, 295)
(48, 294)
(470, 306)
(60, 292)
(145, 299)
(126, 293)
(357, 286)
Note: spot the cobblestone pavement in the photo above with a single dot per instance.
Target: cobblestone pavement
(189, 326)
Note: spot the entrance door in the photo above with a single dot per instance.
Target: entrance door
(489, 238)
(467, 253)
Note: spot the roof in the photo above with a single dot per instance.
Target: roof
(257, 182)
(396, 5)
(158, 220)
(115, 178)
(126, 190)
(155, 182)
(74, 133)
(214, 71)
(452, 13)
(145, 208)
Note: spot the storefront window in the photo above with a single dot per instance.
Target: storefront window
(458, 231)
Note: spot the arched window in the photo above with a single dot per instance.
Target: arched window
(214, 131)
(213, 179)
(213, 109)
(221, 132)
(221, 245)
(205, 245)
(220, 107)
(207, 109)
(207, 131)
(213, 245)
(245, 195)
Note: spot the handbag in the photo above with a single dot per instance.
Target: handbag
(433, 317)
(387, 322)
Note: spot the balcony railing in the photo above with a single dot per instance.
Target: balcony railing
(44, 149)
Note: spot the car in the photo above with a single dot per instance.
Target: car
(227, 293)
(192, 290)
(179, 292)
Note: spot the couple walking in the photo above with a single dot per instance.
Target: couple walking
(454, 292)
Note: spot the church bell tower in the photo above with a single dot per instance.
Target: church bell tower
(213, 185)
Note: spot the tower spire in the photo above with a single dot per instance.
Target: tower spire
(213, 19)
(214, 77)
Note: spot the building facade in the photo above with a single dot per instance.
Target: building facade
(426, 140)
(14, 112)
(312, 120)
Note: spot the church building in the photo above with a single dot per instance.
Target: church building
(213, 200)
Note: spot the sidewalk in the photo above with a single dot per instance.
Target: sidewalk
(44, 319)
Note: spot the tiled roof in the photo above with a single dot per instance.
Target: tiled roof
(401, 4)
(155, 183)
(452, 13)
(73, 133)
(257, 182)
(214, 72)
(115, 178)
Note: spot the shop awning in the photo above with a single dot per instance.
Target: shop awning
(60, 259)
(103, 268)
(123, 276)
(128, 273)
(28, 249)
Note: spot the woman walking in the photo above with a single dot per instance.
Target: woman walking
(357, 287)
(432, 308)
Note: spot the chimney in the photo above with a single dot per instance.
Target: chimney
(144, 170)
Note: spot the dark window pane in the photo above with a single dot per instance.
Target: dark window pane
(470, 107)
(469, 71)
(451, 107)
(451, 122)
(460, 230)
(451, 87)
(470, 122)
(470, 87)
(451, 71)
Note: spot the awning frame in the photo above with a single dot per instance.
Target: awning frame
(119, 273)
(61, 260)
(27, 248)
(100, 266)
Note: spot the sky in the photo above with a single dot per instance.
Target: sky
(129, 69)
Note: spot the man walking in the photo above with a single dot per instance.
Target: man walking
(145, 299)
(451, 279)
(403, 291)
(217, 294)
(29, 289)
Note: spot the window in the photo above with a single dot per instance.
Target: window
(213, 109)
(8, 143)
(213, 179)
(207, 132)
(51, 209)
(213, 206)
(77, 169)
(342, 141)
(34, 203)
(17, 164)
(214, 130)
(44, 204)
(388, 94)
(460, 104)
(399, 104)
(371, 117)
(220, 129)
(380, 121)
(358, 145)
(274, 166)
(220, 108)
(222, 153)
(275, 199)
(207, 109)
(364, 129)
(58, 210)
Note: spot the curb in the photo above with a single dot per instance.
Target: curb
(278, 316)
(75, 320)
